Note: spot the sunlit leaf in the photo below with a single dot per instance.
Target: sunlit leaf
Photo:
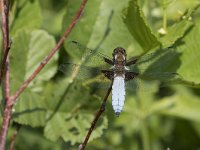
(28, 18)
(28, 108)
(72, 128)
(189, 49)
(28, 51)
(139, 29)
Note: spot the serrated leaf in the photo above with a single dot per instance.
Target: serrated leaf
(41, 43)
(138, 28)
(68, 103)
(176, 32)
(189, 50)
(28, 18)
(67, 95)
(72, 128)
(28, 50)
(29, 109)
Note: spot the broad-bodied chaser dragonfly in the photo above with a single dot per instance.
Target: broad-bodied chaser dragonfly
(119, 70)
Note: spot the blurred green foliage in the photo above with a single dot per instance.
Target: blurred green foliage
(56, 111)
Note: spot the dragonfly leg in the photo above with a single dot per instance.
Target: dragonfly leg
(109, 74)
(130, 75)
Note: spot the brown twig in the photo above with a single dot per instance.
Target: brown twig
(5, 31)
(5, 68)
(8, 108)
(54, 50)
(18, 127)
(96, 118)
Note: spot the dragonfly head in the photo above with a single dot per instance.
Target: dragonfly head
(119, 53)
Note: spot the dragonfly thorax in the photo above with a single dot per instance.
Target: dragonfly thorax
(119, 60)
(119, 54)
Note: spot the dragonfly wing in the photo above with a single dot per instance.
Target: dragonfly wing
(87, 56)
(158, 60)
(138, 85)
(164, 78)
(90, 76)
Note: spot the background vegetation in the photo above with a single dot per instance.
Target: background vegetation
(56, 111)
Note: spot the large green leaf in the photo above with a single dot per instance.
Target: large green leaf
(83, 29)
(180, 28)
(41, 43)
(29, 109)
(135, 22)
(98, 30)
(34, 48)
(189, 49)
(28, 18)
(72, 128)
(175, 32)
(34, 138)
(27, 52)
(67, 110)
(184, 105)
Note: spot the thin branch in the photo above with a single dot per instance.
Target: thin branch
(96, 118)
(5, 68)
(8, 108)
(18, 127)
(5, 32)
(54, 50)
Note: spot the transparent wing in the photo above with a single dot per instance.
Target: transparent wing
(158, 60)
(87, 56)
(163, 78)
(153, 67)
(91, 76)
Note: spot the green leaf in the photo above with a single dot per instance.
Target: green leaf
(184, 105)
(34, 138)
(29, 110)
(72, 128)
(179, 29)
(190, 54)
(28, 18)
(97, 25)
(138, 28)
(68, 107)
(41, 43)
(63, 96)
(83, 29)
(27, 52)
(175, 32)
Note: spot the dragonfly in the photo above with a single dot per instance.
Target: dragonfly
(118, 69)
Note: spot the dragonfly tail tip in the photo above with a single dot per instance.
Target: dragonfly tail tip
(117, 114)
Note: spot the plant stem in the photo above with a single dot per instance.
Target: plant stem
(145, 136)
(8, 108)
(14, 136)
(96, 118)
(164, 19)
(5, 32)
(165, 5)
(5, 68)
